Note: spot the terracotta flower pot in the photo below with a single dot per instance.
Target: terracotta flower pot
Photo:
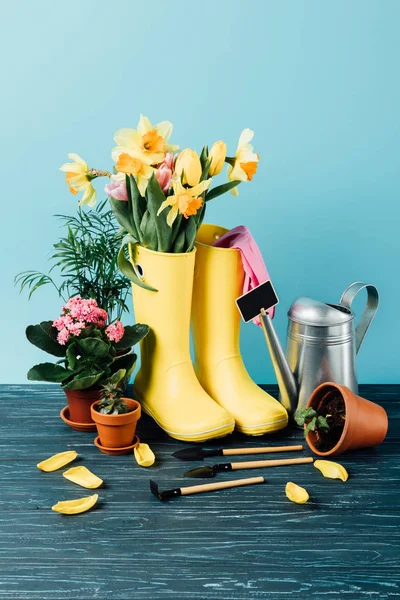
(366, 423)
(79, 403)
(117, 431)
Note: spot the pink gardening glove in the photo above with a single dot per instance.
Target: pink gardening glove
(255, 271)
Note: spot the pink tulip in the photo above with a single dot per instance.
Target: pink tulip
(169, 160)
(117, 190)
(163, 176)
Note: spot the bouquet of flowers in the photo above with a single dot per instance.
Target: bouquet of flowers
(158, 194)
(92, 352)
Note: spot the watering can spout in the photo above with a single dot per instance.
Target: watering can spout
(286, 381)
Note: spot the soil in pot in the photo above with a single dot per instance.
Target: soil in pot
(332, 407)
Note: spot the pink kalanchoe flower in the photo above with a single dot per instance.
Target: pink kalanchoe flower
(164, 176)
(115, 331)
(117, 190)
(63, 336)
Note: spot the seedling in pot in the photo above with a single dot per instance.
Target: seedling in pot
(111, 402)
(325, 422)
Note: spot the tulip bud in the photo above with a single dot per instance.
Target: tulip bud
(189, 162)
(217, 155)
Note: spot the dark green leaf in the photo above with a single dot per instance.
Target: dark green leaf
(93, 347)
(48, 372)
(82, 383)
(133, 335)
(155, 197)
(191, 232)
(138, 204)
(124, 217)
(44, 336)
(322, 423)
(221, 189)
(126, 268)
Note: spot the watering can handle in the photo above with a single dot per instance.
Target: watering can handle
(369, 311)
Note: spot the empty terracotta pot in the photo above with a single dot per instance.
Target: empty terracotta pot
(79, 403)
(366, 423)
(117, 431)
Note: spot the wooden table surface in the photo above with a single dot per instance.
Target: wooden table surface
(241, 543)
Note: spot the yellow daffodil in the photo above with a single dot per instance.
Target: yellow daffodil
(185, 201)
(189, 162)
(148, 140)
(245, 162)
(217, 155)
(78, 177)
(136, 164)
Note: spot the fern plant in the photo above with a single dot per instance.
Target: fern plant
(84, 262)
(311, 419)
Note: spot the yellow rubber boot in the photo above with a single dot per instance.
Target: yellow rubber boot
(166, 384)
(218, 281)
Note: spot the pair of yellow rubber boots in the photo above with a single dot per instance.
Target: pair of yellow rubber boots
(208, 400)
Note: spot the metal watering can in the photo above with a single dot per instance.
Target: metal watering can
(322, 344)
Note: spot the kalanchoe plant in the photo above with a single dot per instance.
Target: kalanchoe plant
(91, 352)
(111, 402)
(312, 421)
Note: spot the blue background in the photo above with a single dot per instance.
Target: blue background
(318, 81)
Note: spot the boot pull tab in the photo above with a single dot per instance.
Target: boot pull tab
(369, 311)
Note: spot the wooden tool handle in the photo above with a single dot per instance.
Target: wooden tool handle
(255, 464)
(235, 451)
(220, 485)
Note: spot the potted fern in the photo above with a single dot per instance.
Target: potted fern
(116, 418)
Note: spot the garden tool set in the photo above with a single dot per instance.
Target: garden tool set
(208, 472)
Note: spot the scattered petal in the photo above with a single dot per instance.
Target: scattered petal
(83, 477)
(144, 455)
(57, 461)
(74, 507)
(295, 493)
(332, 470)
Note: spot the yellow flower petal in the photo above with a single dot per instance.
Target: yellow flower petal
(74, 507)
(57, 461)
(295, 493)
(144, 125)
(168, 202)
(173, 213)
(245, 137)
(332, 470)
(198, 189)
(127, 137)
(83, 477)
(77, 159)
(144, 455)
(165, 129)
(89, 196)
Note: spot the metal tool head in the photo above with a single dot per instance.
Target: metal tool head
(202, 472)
(166, 494)
(196, 453)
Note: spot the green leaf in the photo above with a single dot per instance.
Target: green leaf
(126, 361)
(204, 157)
(71, 355)
(299, 418)
(204, 174)
(125, 266)
(179, 244)
(221, 189)
(122, 214)
(93, 347)
(311, 425)
(44, 336)
(309, 413)
(48, 372)
(155, 197)
(117, 376)
(191, 232)
(83, 383)
(133, 335)
(149, 234)
(139, 204)
(322, 423)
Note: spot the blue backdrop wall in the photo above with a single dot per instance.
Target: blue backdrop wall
(317, 81)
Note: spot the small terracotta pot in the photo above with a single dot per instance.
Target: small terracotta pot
(117, 431)
(79, 403)
(366, 422)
